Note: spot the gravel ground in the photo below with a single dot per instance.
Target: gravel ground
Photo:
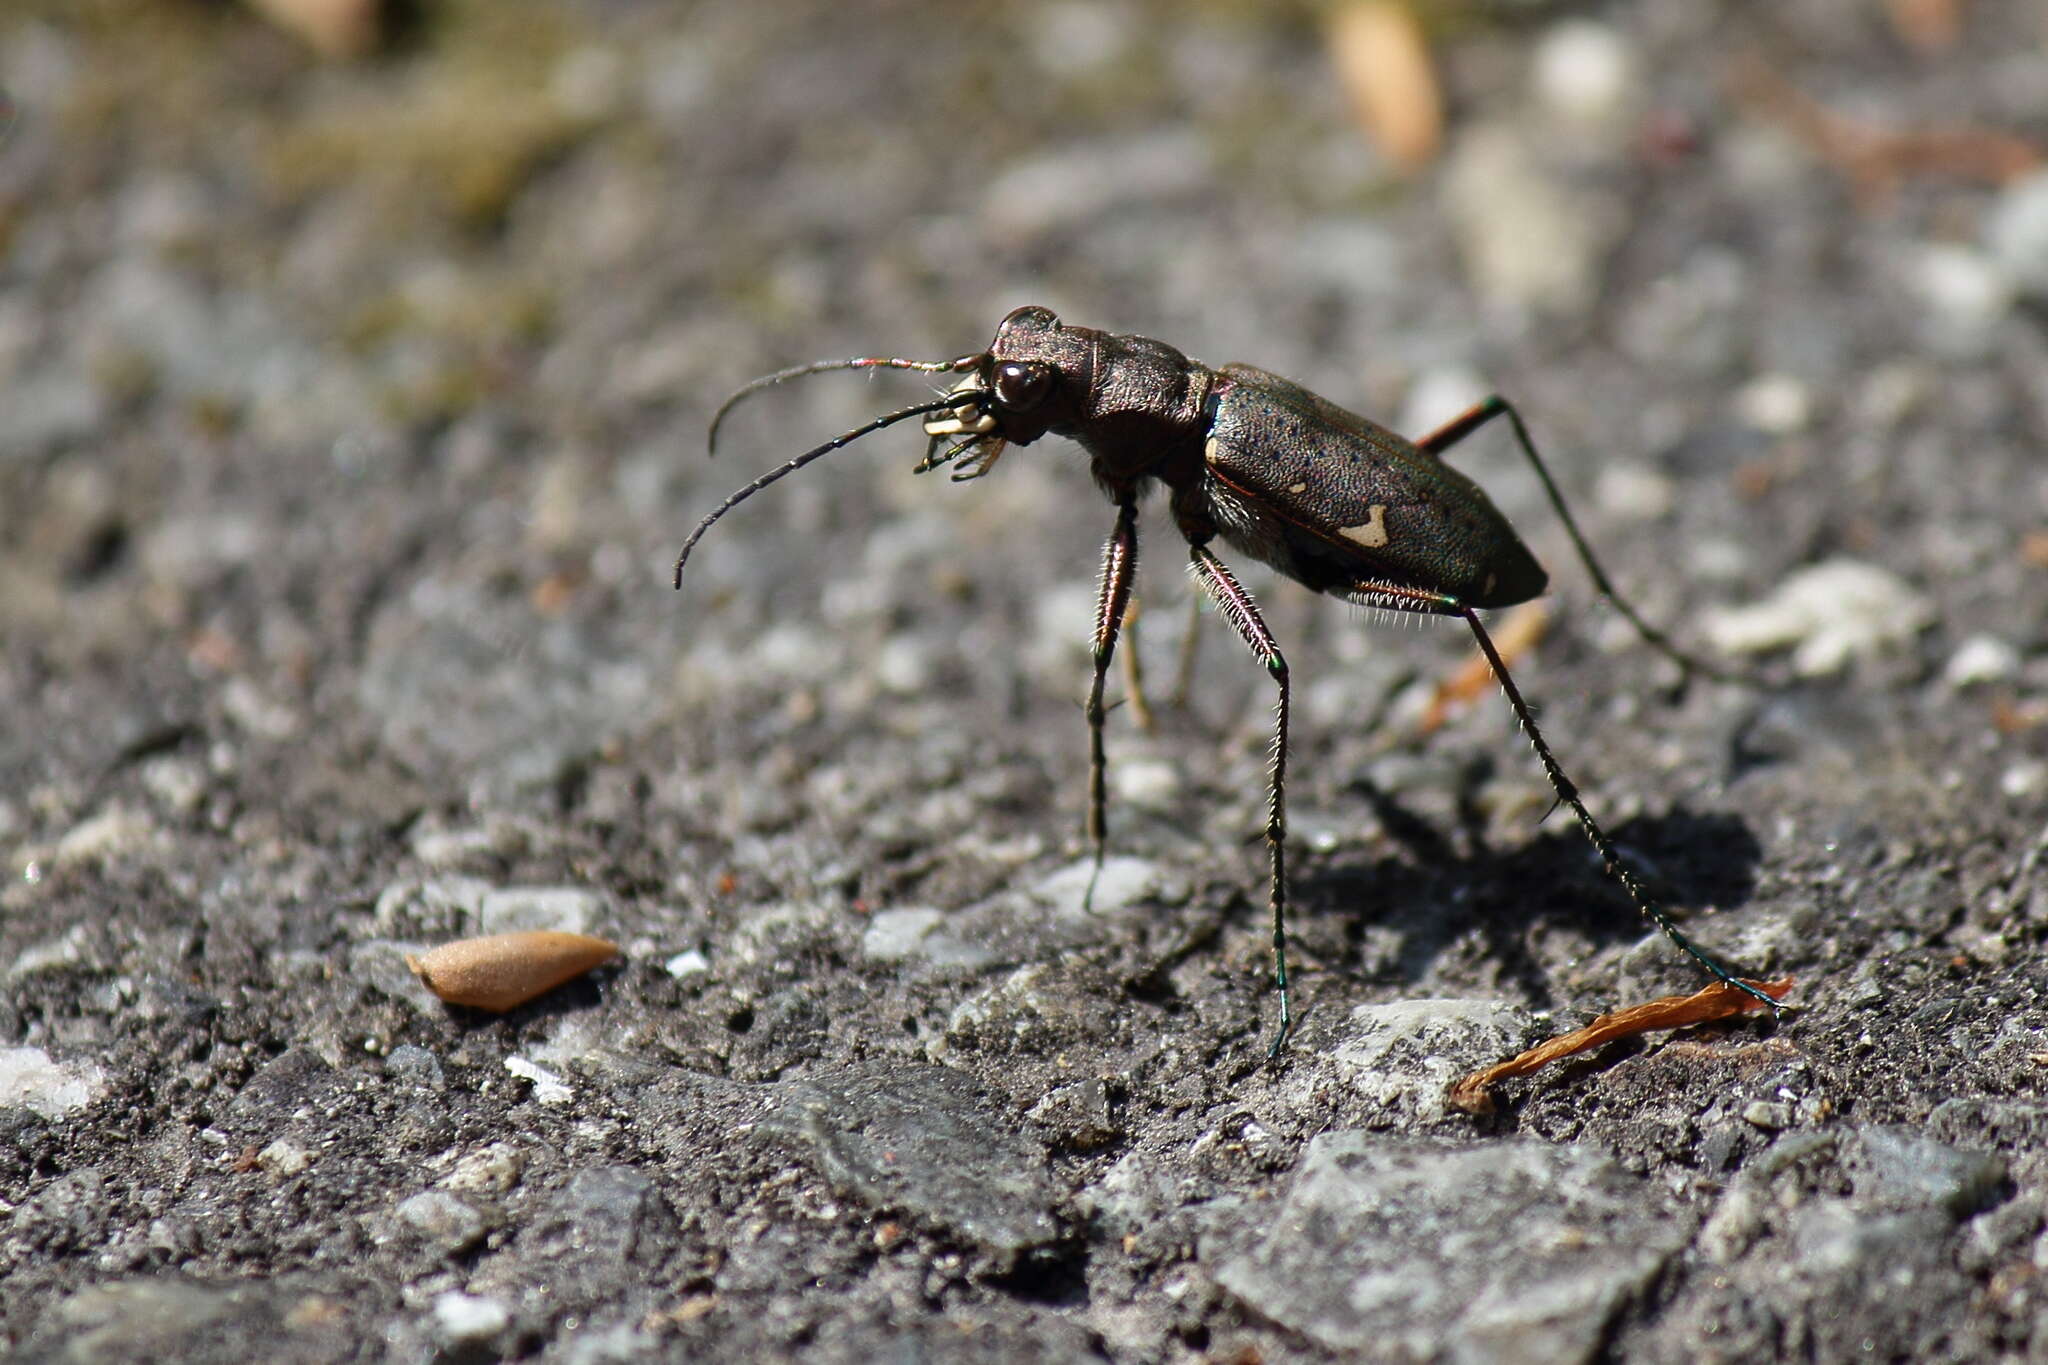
(353, 413)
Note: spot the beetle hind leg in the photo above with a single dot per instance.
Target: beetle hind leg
(1568, 794)
(1484, 411)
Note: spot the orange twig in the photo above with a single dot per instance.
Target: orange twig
(1876, 159)
(1473, 1093)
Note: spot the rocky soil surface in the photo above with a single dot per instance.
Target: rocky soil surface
(351, 414)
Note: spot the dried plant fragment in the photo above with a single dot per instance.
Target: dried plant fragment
(1382, 61)
(1518, 634)
(1473, 1093)
(499, 972)
(1876, 159)
(336, 29)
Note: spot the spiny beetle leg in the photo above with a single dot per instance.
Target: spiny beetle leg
(1243, 615)
(1568, 792)
(1119, 564)
(1565, 788)
(1477, 416)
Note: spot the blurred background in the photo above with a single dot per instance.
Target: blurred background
(357, 355)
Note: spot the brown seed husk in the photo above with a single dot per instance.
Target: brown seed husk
(1382, 60)
(499, 972)
(333, 28)
(1474, 1094)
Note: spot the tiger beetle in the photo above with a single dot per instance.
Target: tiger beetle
(1337, 503)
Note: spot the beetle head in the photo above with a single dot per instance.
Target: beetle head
(1029, 381)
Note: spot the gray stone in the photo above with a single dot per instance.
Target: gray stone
(606, 1216)
(293, 1084)
(1409, 1249)
(1900, 1168)
(922, 1141)
(1404, 1056)
(179, 1318)
(449, 1224)
(566, 909)
(895, 935)
(415, 1066)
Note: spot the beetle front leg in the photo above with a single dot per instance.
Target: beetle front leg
(1119, 565)
(1243, 615)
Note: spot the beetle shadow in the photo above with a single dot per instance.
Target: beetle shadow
(1442, 890)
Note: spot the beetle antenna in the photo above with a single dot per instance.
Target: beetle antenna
(965, 362)
(949, 400)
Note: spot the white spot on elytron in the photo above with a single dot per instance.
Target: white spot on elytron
(1486, 588)
(1297, 488)
(1209, 450)
(1373, 533)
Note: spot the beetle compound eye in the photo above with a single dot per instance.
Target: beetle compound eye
(1022, 386)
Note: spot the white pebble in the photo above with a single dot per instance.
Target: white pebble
(1827, 614)
(689, 962)
(30, 1080)
(1980, 659)
(1964, 294)
(1775, 404)
(1149, 783)
(547, 1086)
(461, 1317)
(565, 909)
(1634, 492)
(2016, 231)
(1585, 71)
(2023, 778)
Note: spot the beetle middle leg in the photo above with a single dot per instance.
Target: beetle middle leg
(1119, 565)
(1243, 615)
(1484, 411)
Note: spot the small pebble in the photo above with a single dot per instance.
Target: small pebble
(2016, 232)
(30, 1080)
(547, 1086)
(415, 1066)
(893, 935)
(1155, 784)
(1980, 659)
(1964, 296)
(1827, 613)
(284, 1157)
(1634, 492)
(1437, 396)
(1768, 1114)
(493, 1170)
(1775, 404)
(109, 834)
(449, 1223)
(1585, 71)
(689, 962)
(2024, 778)
(467, 1319)
(566, 909)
